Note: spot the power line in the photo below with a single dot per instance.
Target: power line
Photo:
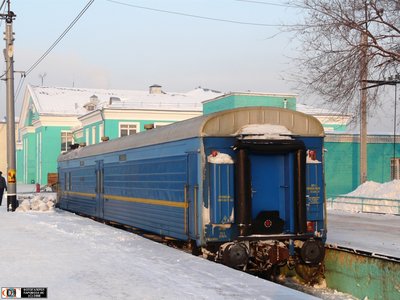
(196, 16)
(266, 3)
(60, 37)
(19, 87)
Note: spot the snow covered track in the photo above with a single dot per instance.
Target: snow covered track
(78, 258)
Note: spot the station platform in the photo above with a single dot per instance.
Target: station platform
(377, 234)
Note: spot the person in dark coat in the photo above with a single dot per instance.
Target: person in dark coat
(3, 186)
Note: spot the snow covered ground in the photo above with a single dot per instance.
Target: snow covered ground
(78, 258)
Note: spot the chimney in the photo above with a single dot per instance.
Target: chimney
(94, 99)
(149, 126)
(155, 89)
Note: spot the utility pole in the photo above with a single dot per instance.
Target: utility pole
(9, 57)
(363, 100)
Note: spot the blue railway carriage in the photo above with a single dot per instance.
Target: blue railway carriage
(244, 186)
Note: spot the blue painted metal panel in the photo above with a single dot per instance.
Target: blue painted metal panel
(272, 186)
(141, 180)
(194, 198)
(80, 204)
(211, 232)
(221, 193)
(268, 182)
(156, 173)
(159, 178)
(315, 182)
(100, 189)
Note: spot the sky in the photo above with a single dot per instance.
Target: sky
(117, 46)
(121, 47)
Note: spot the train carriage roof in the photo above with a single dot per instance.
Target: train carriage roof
(224, 123)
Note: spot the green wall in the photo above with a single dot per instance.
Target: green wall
(236, 101)
(342, 165)
(51, 149)
(83, 139)
(28, 140)
(111, 127)
(31, 159)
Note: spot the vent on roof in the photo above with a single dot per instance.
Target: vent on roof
(94, 99)
(114, 100)
(91, 105)
(155, 89)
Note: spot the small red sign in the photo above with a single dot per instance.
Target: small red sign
(268, 223)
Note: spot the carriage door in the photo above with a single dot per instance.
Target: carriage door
(99, 189)
(272, 191)
(192, 197)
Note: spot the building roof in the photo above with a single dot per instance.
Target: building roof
(280, 95)
(317, 111)
(71, 101)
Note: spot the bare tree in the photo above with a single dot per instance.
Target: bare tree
(341, 39)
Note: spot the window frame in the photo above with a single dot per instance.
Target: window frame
(136, 124)
(68, 132)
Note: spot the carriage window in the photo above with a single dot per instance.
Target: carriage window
(66, 140)
(128, 129)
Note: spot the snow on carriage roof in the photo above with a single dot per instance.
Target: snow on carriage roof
(71, 101)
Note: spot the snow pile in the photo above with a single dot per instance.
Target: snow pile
(219, 158)
(312, 157)
(265, 131)
(371, 197)
(371, 189)
(38, 202)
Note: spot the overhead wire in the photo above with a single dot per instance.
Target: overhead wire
(4, 2)
(23, 75)
(196, 16)
(19, 87)
(1, 23)
(60, 37)
(266, 3)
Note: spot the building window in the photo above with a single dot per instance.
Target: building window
(101, 132)
(93, 135)
(128, 129)
(395, 168)
(87, 136)
(66, 140)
